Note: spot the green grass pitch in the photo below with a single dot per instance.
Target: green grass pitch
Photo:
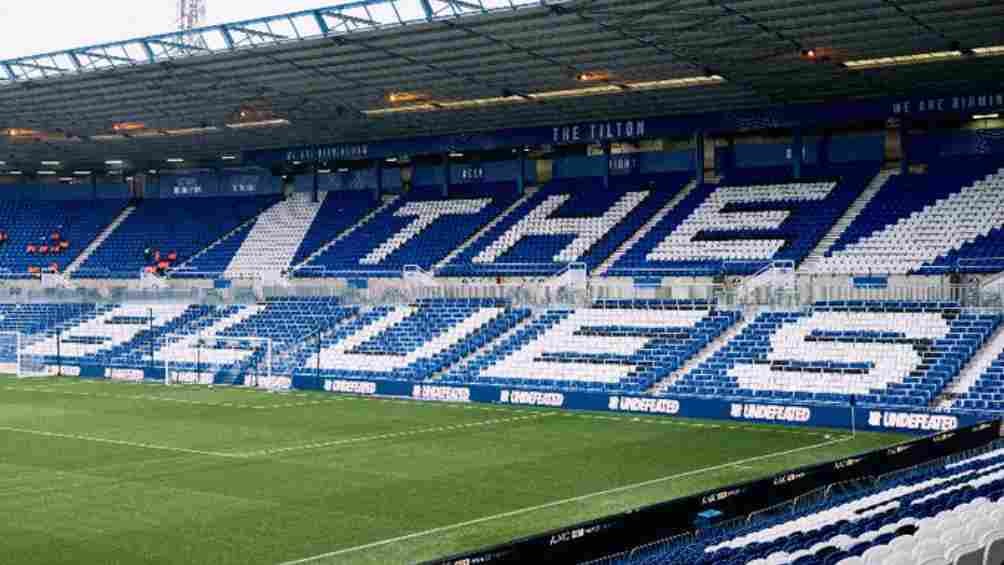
(112, 473)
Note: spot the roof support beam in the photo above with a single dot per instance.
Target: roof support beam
(106, 56)
(249, 31)
(348, 18)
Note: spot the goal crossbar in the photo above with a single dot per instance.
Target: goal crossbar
(218, 360)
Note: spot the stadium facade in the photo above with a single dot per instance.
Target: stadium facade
(607, 208)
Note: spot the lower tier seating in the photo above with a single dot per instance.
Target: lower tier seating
(948, 514)
(411, 342)
(893, 353)
(616, 346)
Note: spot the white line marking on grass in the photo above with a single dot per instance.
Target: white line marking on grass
(390, 435)
(552, 504)
(93, 439)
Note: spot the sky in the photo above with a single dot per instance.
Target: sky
(31, 27)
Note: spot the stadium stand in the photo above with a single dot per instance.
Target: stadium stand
(339, 211)
(949, 513)
(181, 227)
(411, 342)
(567, 220)
(888, 353)
(952, 214)
(419, 229)
(615, 346)
(751, 218)
(39, 234)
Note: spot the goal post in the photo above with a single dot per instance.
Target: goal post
(218, 360)
(17, 361)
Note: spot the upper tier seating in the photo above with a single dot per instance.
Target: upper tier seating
(419, 229)
(411, 342)
(183, 226)
(947, 514)
(987, 393)
(889, 353)
(927, 223)
(752, 218)
(568, 220)
(339, 211)
(33, 223)
(616, 346)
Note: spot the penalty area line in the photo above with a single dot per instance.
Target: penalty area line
(561, 502)
(108, 441)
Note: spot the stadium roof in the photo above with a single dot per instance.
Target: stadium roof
(474, 65)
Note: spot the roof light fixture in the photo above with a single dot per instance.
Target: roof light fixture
(993, 116)
(898, 60)
(259, 124)
(175, 160)
(682, 82)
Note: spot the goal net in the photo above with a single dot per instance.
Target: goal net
(235, 361)
(17, 359)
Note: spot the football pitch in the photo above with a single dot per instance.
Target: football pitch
(111, 473)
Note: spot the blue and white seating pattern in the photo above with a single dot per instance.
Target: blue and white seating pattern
(411, 342)
(617, 346)
(275, 237)
(183, 225)
(962, 218)
(950, 514)
(105, 329)
(987, 393)
(33, 222)
(340, 210)
(895, 353)
(420, 229)
(568, 220)
(744, 223)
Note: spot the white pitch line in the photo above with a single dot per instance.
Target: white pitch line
(392, 435)
(561, 502)
(120, 442)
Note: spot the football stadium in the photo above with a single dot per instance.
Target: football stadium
(607, 282)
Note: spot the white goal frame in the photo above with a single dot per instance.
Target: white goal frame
(251, 380)
(18, 367)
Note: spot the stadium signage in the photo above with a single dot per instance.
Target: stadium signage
(949, 104)
(351, 387)
(899, 449)
(646, 405)
(328, 153)
(912, 421)
(847, 463)
(771, 412)
(788, 478)
(441, 393)
(187, 185)
(134, 375)
(599, 131)
(720, 496)
(532, 398)
(471, 173)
